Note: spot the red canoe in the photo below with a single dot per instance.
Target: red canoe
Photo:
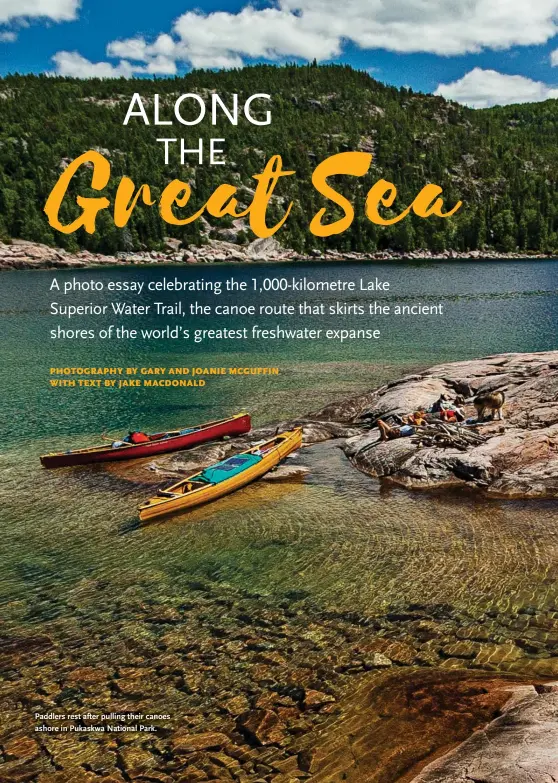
(159, 443)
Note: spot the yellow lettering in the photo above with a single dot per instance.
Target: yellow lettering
(222, 203)
(383, 192)
(423, 206)
(171, 195)
(354, 163)
(90, 206)
(264, 190)
(223, 200)
(125, 201)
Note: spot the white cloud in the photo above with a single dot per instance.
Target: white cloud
(271, 33)
(481, 89)
(161, 66)
(7, 36)
(320, 28)
(160, 56)
(316, 28)
(57, 10)
(554, 57)
(73, 64)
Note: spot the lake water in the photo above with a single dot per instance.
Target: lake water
(489, 308)
(335, 540)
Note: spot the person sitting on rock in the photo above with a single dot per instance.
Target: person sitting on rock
(446, 410)
(452, 415)
(442, 403)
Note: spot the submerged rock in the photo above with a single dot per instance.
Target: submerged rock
(287, 473)
(262, 726)
(190, 743)
(316, 699)
(396, 720)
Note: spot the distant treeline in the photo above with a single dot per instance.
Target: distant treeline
(502, 162)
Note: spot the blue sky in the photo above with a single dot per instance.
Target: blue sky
(478, 52)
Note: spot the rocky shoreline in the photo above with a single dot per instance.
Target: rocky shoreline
(520, 745)
(519, 456)
(22, 254)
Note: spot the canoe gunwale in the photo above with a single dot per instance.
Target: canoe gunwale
(163, 506)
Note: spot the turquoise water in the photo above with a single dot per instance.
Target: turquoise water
(488, 308)
(335, 535)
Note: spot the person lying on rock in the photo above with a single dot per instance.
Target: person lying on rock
(410, 423)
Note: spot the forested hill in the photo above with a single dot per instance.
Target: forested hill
(502, 162)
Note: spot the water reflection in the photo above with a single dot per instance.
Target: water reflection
(337, 536)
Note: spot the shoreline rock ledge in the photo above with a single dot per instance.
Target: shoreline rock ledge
(520, 746)
(519, 458)
(24, 254)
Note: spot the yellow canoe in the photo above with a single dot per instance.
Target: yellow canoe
(223, 477)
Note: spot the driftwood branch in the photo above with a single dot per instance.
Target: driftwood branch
(445, 436)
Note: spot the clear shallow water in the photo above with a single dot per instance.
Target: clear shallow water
(335, 537)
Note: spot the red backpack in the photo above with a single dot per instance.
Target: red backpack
(139, 437)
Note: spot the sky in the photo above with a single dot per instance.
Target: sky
(477, 52)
